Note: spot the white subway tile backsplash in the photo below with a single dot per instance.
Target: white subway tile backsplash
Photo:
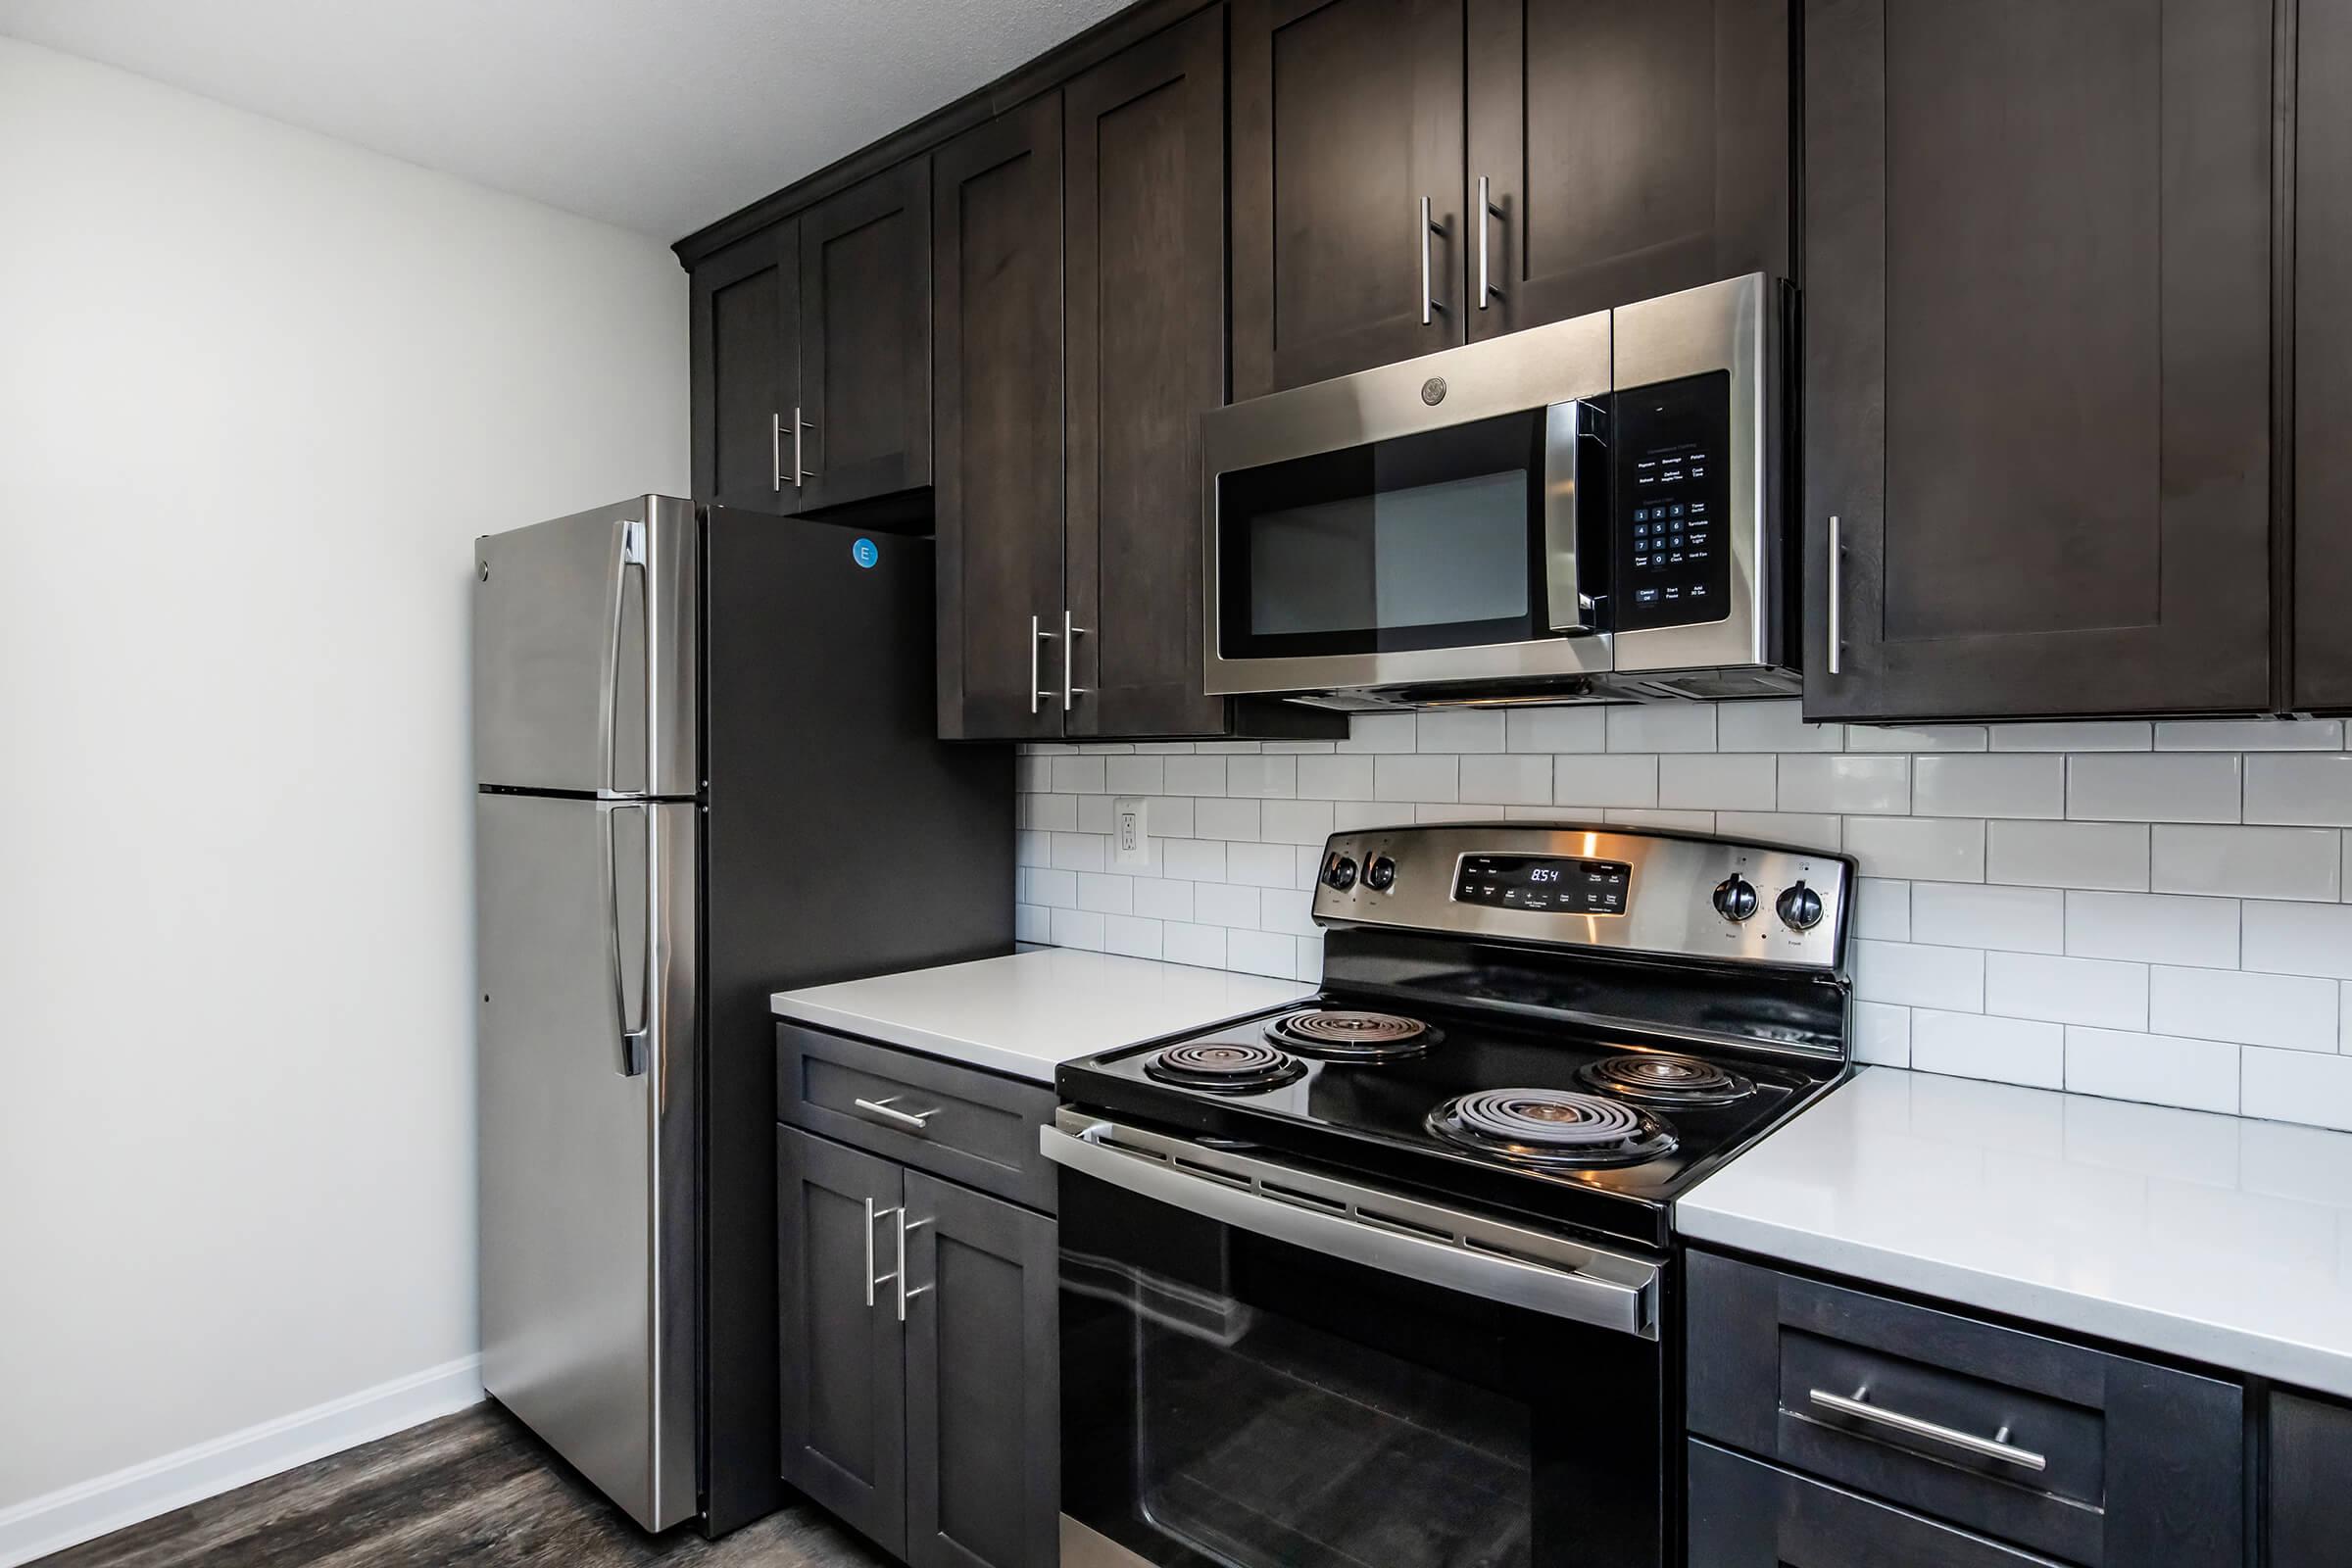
(1991, 784)
(2312, 788)
(2154, 912)
(2152, 787)
(1913, 976)
(1556, 729)
(1662, 728)
(2299, 939)
(1846, 784)
(2247, 863)
(2291, 1013)
(1460, 729)
(2084, 991)
(2102, 735)
(2112, 856)
(1914, 738)
(1605, 780)
(2152, 928)
(1508, 779)
(2250, 735)
(1967, 1045)
(1881, 1034)
(1334, 779)
(2161, 1070)
(1970, 915)
(1926, 847)
(1702, 782)
(1107, 748)
(1882, 908)
(1416, 778)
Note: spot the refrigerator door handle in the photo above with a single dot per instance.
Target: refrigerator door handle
(636, 1039)
(629, 551)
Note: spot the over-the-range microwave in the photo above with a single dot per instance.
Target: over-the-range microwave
(1585, 510)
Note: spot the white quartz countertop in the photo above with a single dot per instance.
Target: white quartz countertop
(1025, 1013)
(2207, 1237)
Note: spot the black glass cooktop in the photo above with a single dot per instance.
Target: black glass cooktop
(1607, 1133)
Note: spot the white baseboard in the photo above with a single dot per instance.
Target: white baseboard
(93, 1508)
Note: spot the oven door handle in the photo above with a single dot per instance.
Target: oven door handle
(1232, 1190)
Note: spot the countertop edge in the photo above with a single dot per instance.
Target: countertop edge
(2242, 1351)
(909, 1037)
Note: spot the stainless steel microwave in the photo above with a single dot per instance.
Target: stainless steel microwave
(1585, 510)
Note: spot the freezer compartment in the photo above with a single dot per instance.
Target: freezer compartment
(584, 659)
(587, 1037)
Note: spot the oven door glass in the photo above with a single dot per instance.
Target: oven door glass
(1430, 540)
(1234, 1400)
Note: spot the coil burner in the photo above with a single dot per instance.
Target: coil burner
(1344, 1035)
(1661, 1078)
(1548, 1127)
(1228, 1068)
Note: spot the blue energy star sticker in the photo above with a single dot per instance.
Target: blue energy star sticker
(863, 552)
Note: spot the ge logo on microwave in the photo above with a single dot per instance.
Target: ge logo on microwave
(1433, 391)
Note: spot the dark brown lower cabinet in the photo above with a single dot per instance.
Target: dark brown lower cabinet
(2310, 1469)
(927, 1420)
(1749, 1515)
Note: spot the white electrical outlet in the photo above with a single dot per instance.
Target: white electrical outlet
(1130, 833)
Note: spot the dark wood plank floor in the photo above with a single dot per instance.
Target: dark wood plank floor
(475, 1489)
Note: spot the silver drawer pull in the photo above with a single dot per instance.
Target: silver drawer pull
(886, 1109)
(1993, 1447)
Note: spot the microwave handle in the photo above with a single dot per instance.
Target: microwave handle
(1570, 606)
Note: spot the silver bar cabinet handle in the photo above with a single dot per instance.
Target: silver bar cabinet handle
(1486, 210)
(1837, 595)
(1070, 634)
(873, 1280)
(775, 452)
(906, 1295)
(1993, 1447)
(1036, 634)
(799, 467)
(1429, 225)
(869, 1251)
(888, 1111)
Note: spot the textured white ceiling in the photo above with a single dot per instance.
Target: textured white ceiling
(657, 114)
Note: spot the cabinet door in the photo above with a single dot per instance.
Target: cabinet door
(2310, 1459)
(983, 1381)
(997, 219)
(1347, 116)
(865, 339)
(1147, 356)
(746, 345)
(2323, 358)
(1630, 151)
(1744, 1514)
(843, 1350)
(2036, 272)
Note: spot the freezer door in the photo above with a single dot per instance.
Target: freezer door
(584, 651)
(587, 1030)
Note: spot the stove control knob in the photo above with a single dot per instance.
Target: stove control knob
(1338, 872)
(1734, 897)
(1379, 873)
(1800, 908)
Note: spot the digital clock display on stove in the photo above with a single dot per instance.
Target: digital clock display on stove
(1543, 884)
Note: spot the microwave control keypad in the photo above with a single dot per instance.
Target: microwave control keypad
(1672, 492)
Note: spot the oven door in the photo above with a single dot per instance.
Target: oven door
(1266, 1367)
(1438, 520)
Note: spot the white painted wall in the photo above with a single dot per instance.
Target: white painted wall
(258, 390)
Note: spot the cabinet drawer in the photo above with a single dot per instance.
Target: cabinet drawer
(969, 1126)
(2089, 1458)
(1749, 1515)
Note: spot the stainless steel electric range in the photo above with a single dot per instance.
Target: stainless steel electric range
(1389, 1280)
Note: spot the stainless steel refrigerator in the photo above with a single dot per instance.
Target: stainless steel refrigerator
(706, 770)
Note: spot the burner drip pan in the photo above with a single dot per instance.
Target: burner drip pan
(1549, 1127)
(1665, 1080)
(1340, 1034)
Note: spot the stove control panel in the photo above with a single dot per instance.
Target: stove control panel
(1569, 886)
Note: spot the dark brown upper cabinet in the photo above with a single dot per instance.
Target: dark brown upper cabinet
(1627, 151)
(1346, 130)
(746, 347)
(865, 408)
(998, 395)
(2037, 358)
(2323, 358)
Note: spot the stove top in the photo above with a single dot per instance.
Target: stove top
(1572, 1125)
